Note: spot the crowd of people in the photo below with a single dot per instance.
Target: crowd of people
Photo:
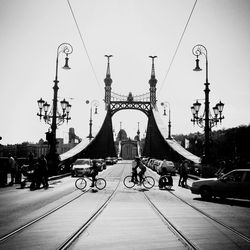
(36, 172)
(39, 170)
(183, 173)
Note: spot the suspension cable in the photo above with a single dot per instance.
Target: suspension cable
(178, 45)
(85, 48)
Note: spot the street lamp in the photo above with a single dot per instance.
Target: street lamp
(206, 120)
(167, 104)
(53, 117)
(94, 104)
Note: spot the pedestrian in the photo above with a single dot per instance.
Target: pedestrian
(142, 171)
(31, 161)
(18, 175)
(12, 167)
(183, 171)
(43, 169)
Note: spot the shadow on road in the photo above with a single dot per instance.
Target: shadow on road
(230, 202)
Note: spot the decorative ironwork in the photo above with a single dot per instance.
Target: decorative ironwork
(138, 98)
(120, 105)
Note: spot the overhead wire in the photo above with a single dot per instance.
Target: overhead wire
(178, 45)
(84, 45)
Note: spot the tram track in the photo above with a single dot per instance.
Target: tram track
(11, 236)
(234, 231)
(211, 218)
(18, 230)
(186, 242)
(92, 218)
(79, 230)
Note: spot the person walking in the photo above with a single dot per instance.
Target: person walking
(183, 171)
(12, 167)
(44, 171)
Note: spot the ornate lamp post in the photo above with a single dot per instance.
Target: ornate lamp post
(95, 104)
(206, 120)
(53, 117)
(167, 104)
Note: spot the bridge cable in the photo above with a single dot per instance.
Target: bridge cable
(176, 50)
(85, 48)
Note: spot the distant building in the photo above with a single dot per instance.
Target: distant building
(22, 150)
(128, 145)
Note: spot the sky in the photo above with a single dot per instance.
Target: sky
(131, 31)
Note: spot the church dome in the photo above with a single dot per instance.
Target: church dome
(122, 135)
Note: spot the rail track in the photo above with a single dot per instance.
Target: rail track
(186, 242)
(10, 237)
(28, 224)
(75, 234)
(209, 217)
(234, 231)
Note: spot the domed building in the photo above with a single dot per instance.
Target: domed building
(122, 135)
(128, 147)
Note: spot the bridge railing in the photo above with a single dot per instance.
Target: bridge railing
(136, 98)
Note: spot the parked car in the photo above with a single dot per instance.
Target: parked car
(156, 165)
(81, 167)
(166, 166)
(114, 159)
(235, 184)
(109, 161)
(150, 164)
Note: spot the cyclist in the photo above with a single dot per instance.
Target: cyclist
(135, 165)
(93, 172)
(143, 169)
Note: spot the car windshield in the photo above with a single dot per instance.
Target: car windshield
(81, 162)
(233, 176)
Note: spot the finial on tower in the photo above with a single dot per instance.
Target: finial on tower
(152, 82)
(108, 67)
(153, 66)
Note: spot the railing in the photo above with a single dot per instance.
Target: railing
(130, 97)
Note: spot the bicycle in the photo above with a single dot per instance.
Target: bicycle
(166, 181)
(147, 181)
(81, 183)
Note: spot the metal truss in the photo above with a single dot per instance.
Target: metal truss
(116, 106)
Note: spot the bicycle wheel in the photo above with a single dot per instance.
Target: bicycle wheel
(100, 183)
(128, 182)
(165, 182)
(148, 182)
(80, 183)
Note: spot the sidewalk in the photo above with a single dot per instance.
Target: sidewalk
(51, 178)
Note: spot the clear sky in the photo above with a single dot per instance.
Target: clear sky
(131, 30)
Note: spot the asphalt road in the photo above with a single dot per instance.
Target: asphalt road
(127, 222)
